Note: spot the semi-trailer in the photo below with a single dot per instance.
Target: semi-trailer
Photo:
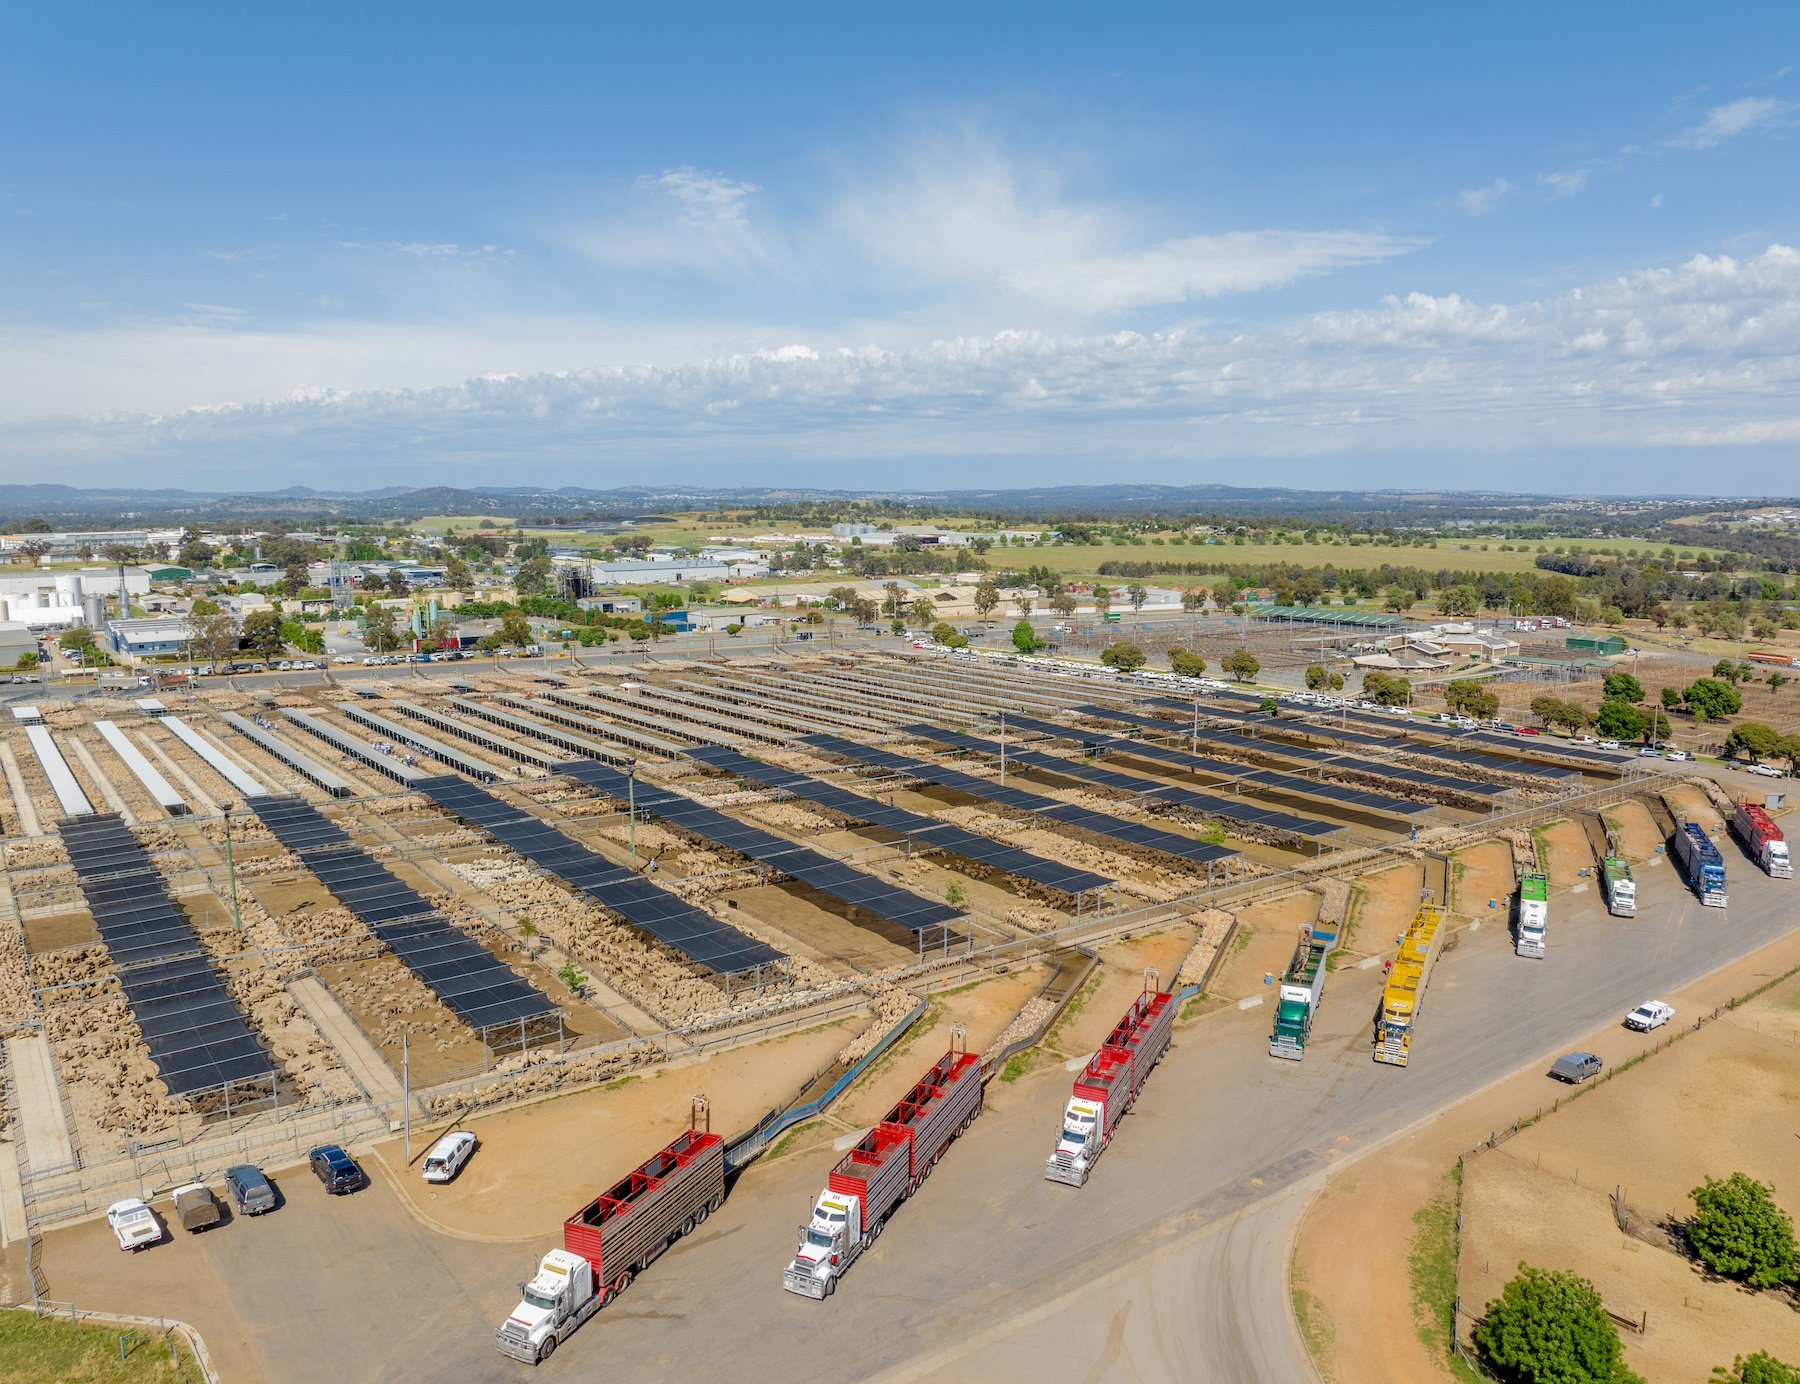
(1108, 1086)
(1762, 839)
(885, 1168)
(1704, 865)
(1534, 915)
(1620, 886)
(1302, 987)
(614, 1237)
(1403, 997)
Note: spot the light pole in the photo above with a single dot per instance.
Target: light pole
(631, 808)
(237, 920)
(1003, 749)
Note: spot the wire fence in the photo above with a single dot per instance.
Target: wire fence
(187, 1351)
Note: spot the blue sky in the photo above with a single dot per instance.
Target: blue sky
(1414, 246)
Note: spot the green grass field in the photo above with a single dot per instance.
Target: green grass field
(1085, 560)
(53, 1350)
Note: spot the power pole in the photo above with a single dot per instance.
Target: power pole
(237, 921)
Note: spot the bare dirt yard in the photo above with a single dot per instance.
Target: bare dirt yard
(522, 1181)
(1723, 1100)
(1381, 906)
(1634, 830)
(1263, 944)
(1687, 801)
(1565, 854)
(1481, 880)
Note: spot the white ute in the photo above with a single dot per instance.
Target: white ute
(134, 1224)
(1649, 1015)
(448, 1155)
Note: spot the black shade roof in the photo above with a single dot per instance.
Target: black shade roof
(928, 831)
(1271, 779)
(672, 921)
(470, 981)
(1307, 754)
(197, 1036)
(1230, 809)
(1019, 799)
(820, 872)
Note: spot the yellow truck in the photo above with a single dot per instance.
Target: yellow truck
(1403, 997)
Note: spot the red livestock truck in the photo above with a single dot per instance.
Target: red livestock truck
(1762, 838)
(884, 1169)
(611, 1239)
(1109, 1084)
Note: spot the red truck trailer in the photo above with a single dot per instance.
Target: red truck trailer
(1762, 838)
(887, 1166)
(1108, 1086)
(614, 1237)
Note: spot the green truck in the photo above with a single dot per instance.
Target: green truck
(1621, 888)
(1302, 987)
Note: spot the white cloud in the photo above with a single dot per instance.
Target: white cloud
(682, 220)
(1479, 201)
(1697, 355)
(1566, 182)
(1734, 118)
(428, 250)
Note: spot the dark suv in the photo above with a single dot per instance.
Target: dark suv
(249, 1190)
(336, 1169)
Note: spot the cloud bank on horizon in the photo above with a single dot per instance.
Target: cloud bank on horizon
(1147, 286)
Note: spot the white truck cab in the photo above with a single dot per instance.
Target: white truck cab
(1075, 1145)
(559, 1298)
(828, 1244)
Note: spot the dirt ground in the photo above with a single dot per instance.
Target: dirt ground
(59, 930)
(1121, 978)
(1687, 801)
(1721, 1101)
(1567, 856)
(1634, 830)
(523, 1181)
(1263, 944)
(1352, 1249)
(1381, 905)
(1481, 880)
(984, 1010)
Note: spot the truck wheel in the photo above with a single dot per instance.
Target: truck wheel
(830, 1286)
(701, 1215)
(688, 1226)
(547, 1350)
(716, 1202)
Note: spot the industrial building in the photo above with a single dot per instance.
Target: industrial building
(148, 638)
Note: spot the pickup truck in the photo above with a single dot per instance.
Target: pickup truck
(195, 1207)
(1651, 1014)
(1576, 1067)
(134, 1225)
(336, 1169)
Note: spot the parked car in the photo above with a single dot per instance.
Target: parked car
(344, 658)
(1766, 770)
(195, 1207)
(1681, 756)
(1611, 745)
(134, 1225)
(249, 1190)
(1581, 740)
(1526, 730)
(336, 1169)
(1648, 1015)
(448, 1155)
(1576, 1067)
(1649, 752)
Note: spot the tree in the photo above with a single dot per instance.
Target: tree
(293, 577)
(1726, 670)
(262, 632)
(1385, 689)
(215, 635)
(1023, 601)
(81, 637)
(571, 976)
(1739, 1232)
(1316, 674)
(1472, 698)
(1754, 739)
(1760, 1368)
(893, 597)
(1459, 600)
(1185, 663)
(379, 630)
(1777, 681)
(864, 610)
(1670, 698)
(1025, 638)
(1713, 700)
(1193, 600)
(1124, 656)
(1399, 600)
(457, 575)
(1545, 709)
(1679, 620)
(1551, 1328)
(1617, 720)
(1659, 616)
(32, 550)
(1137, 593)
(533, 577)
(1103, 599)
(923, 611)
(1622, 686)
(396, 582)
(1241, 664)
(987, 597)
(946, 635)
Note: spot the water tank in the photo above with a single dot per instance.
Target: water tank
(93, 609)
(68, 587)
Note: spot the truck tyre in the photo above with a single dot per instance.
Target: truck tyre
(831, 1285)
(546, 1350)
(687, 1227)
(716, 1202)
